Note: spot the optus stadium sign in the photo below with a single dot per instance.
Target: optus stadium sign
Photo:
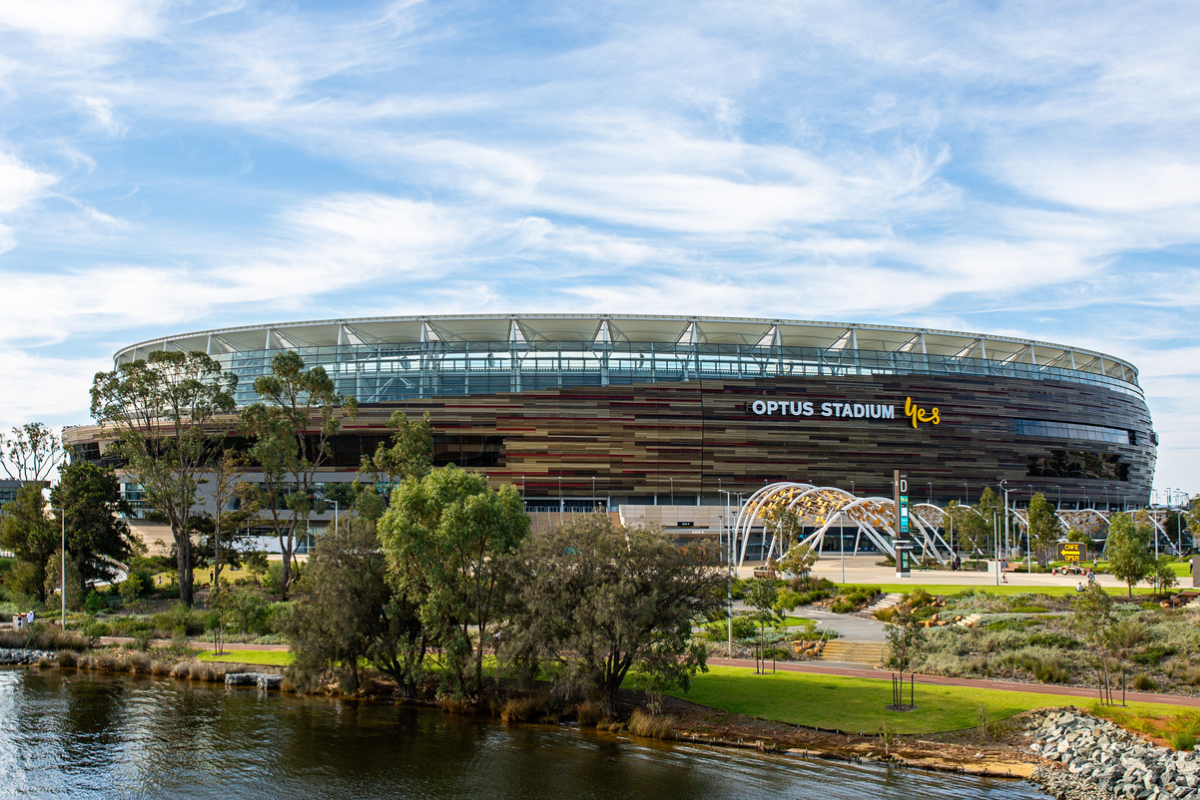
(843, 409)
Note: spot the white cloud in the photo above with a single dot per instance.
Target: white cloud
(83, 19)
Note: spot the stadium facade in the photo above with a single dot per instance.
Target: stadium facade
(580, 411)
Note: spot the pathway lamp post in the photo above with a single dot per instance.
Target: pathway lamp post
(930, 485)
(966, 495)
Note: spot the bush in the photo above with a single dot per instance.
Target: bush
(1144, 683)
(95, 603)
(1182, 740)
(1153, 655)
(131, 588)
(1053, 640)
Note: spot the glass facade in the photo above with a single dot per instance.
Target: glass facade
(385, 373)
(1069, 430)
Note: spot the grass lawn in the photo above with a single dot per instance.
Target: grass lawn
(267, 658)
(795, 622)
(857, 704)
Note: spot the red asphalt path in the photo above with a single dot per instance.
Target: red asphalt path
(817, 668)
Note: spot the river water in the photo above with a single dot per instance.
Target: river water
(65, 734)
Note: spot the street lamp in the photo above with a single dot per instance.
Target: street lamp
(672, 479)
(852, 488)
(62, 570)
(930, 485)
(1004, 488)
(966, 495)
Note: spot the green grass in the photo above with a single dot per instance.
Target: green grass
(267, 658)
(795, 622)
(857, 704)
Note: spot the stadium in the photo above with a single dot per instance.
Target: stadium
(656, 415)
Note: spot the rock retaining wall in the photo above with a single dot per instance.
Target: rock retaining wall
(8, 656)
(1104, 762)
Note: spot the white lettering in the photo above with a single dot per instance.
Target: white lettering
(759, 407)
(837, 409)
(860, 410)
(826, 409)
(808, 409)
(887, 412)
(772, 406)
(796, 408)
(847, 411)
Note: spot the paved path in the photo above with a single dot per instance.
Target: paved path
(858, 671)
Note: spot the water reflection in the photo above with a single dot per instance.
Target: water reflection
(81, 735)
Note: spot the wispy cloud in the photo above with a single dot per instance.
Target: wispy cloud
(1023, 168)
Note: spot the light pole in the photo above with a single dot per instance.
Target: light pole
(561, 503)
(852, 488)
(62, 569)
(593, 491)
(1004, 488)
(966, 495)
(930, 485)
(729, 566)
(672, 478)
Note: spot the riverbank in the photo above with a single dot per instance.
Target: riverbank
(992, 749)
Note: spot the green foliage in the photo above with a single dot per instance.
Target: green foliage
(300, 413)
(799, 560)
(245, 607)
(1076, 535)
(73, 586)
(1162, 575)
(599, 600)
(33, 537)
(349, 614)
(1153, 655)
(449, 541)
(858, 597)
(1056, 641)
(1044, 526)
(95, 602)
(1129, 560)
(162, 410)
(96, 534)
(410, 455)
(131, 588)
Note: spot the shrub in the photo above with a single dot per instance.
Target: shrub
(518, 709)
(1144, 683)
(1055, 641)
(1153, 655)
(95, 602)
(589, 713)
(131, 588)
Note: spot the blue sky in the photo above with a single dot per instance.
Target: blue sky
(1026, 169)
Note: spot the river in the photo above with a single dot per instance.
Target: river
(82, 735)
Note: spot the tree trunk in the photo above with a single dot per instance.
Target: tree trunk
(183, 559)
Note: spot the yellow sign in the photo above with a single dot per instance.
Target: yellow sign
(1072, 551)
(919, 414)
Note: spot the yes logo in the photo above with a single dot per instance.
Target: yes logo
(919, 414)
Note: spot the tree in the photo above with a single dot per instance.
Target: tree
(1045, 529)
(31, 453)
(410, 455)
(33, 537)
(98, 539)
(224, 524)
(1076, 535)
(301, 412)
(761, 595)
(1162, 574)
(799, 560)
(1094, 620)
(595, 600)
(1129, 560)
(449, 539)
(350, 614)
(972, 531)
(163, 411)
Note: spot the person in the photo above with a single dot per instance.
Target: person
(1079, 586)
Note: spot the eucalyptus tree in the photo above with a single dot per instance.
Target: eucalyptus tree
(98, 538)
(300, 412)
(31, 453)
(408, 455)
(164, 414)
